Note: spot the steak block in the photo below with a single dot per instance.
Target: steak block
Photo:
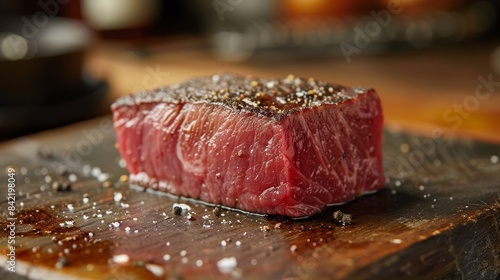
(287, 146)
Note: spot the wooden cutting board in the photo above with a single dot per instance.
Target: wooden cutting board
(438, 217)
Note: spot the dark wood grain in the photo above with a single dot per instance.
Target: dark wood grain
(438, 217)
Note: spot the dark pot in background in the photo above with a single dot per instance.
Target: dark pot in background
(42, 84)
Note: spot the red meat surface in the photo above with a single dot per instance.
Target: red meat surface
(286, 146)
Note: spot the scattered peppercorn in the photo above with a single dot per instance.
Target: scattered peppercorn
(217, 211)
(177, 210)
(59, 186)
(340, 217)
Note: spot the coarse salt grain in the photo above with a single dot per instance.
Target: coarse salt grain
(117, 196)
(226, 265)
(121, 259)
(155, 269)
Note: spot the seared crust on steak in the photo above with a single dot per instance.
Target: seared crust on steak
(274, 98)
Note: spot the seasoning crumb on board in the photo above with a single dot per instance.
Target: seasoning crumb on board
(341, 217)
(226, 265)
(217, 211)
(117, 196)
(61, 262)
(58, 186)
(181, 208)
(124, 178)
(121, 259)
(155, 269)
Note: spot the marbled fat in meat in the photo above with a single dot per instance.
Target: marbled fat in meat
(287, 146)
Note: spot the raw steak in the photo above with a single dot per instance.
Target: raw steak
(287, 146)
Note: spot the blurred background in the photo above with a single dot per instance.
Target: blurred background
(434, 63)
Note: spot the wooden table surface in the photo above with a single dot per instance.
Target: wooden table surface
(438, 218)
